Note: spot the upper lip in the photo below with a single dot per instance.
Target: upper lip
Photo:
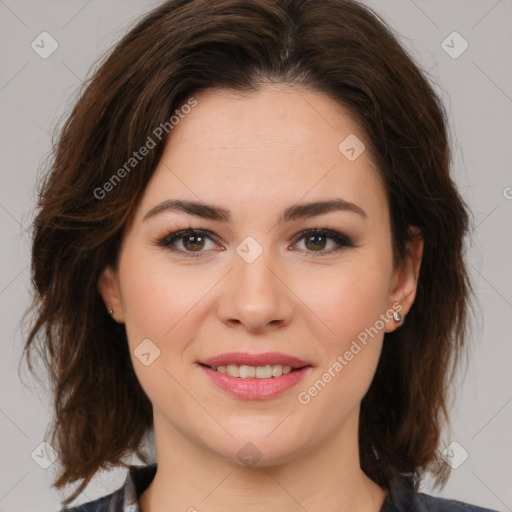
(262, 359)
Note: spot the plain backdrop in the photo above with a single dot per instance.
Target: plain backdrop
(464, 45)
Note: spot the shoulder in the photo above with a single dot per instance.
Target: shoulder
(434, 504)
(124, 499)
(112, 502)
(403, 498)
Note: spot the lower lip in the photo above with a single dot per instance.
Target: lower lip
(255, 389)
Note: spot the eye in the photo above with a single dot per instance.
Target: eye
(191, 240)
(194, 242)
(315, 241)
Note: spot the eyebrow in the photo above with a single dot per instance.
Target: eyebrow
(296, 211)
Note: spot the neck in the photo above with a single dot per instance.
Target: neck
(191, 477)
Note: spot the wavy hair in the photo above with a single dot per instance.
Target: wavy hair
(337, 47)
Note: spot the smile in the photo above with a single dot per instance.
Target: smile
(250, 372)
(251, 387)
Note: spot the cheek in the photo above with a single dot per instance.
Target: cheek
(351, 350)
(348, 306)
(348, 299)
(158, 304)
(157, 295)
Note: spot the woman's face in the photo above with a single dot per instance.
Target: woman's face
(254, 281)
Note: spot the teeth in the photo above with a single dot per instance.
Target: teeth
(250, 372)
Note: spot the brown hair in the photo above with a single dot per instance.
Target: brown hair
(338, 47)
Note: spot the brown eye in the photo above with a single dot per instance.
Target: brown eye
(316, 241)
(192, 242)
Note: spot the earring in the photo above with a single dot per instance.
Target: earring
(111, 312)
(397, 317)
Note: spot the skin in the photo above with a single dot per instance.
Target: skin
(256, 154)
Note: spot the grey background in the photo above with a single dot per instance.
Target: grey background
(476, 87)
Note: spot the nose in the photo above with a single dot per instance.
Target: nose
(256, 296)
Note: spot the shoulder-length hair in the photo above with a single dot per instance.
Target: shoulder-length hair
(337, 47)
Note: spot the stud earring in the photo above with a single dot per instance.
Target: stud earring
(397, 317)
(111, 312)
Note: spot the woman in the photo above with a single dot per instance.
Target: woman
(249, 243)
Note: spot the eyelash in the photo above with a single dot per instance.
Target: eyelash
(340, 240)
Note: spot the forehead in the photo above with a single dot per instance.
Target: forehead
(279, 144)
(275, 120)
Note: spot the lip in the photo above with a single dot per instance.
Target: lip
(245, 358)
(255, 389)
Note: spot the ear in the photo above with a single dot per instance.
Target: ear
(405, 278)
(108, 286)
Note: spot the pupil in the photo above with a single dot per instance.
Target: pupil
(316, 244)
(197, 242)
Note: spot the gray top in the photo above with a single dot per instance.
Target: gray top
(400, 497)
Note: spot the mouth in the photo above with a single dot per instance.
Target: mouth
(268, 371)
(247, 365)
(255, 376)
(255, 388)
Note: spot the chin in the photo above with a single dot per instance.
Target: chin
(261, 450)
